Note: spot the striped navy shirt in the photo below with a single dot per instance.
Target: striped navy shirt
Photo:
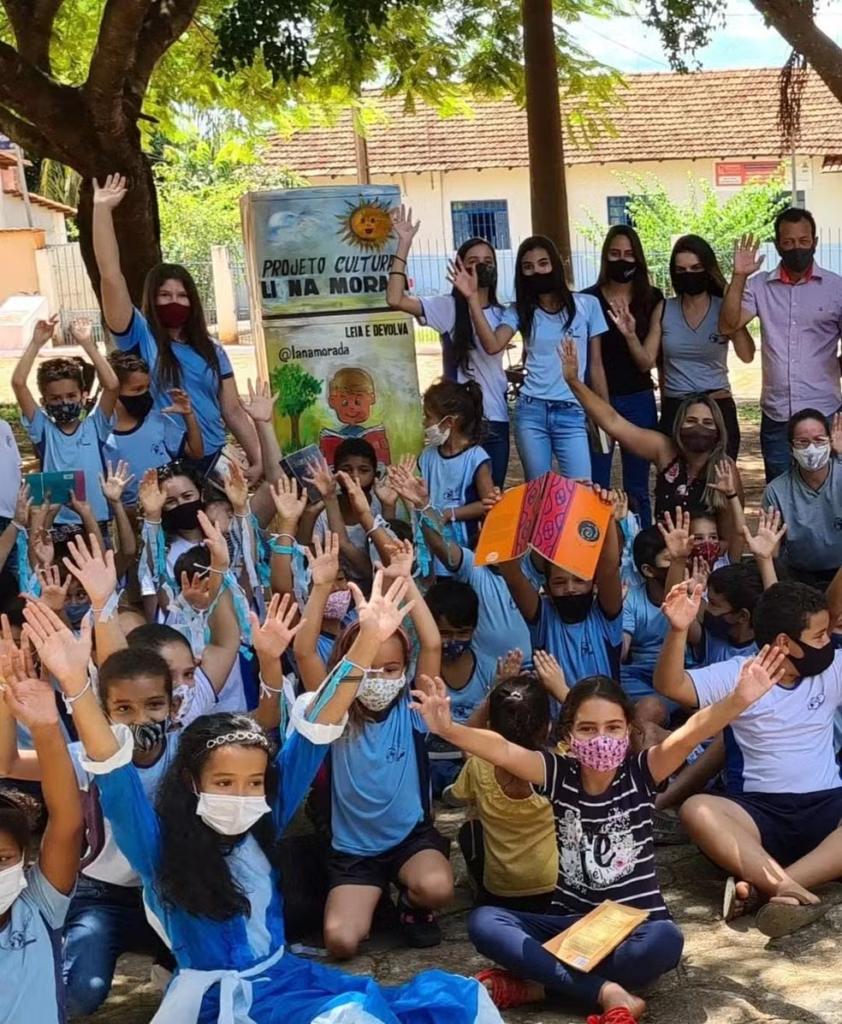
(605, 847)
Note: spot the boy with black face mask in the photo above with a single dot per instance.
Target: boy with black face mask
(146, 437)
(579, 622)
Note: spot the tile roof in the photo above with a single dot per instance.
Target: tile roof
(662, 116)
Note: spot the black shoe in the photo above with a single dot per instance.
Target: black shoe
(419, 927)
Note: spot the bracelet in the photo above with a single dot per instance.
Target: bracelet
(729, 497)
(396, 257)
(265, 688)
(152, 522)
(18, 527)
(398, 273)
(282, 549)
(70, 701)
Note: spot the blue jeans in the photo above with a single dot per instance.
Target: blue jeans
(638, 408)
(515, 941)
(777, 457)
(103, 922)
(495, 441)
(544, 429)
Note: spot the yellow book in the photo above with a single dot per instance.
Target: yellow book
(589, 941)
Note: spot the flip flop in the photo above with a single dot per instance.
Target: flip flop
(779, 919)
(733, 906)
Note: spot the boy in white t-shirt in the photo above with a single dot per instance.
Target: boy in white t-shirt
(776, 831)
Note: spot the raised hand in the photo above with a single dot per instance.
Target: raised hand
(382, 613)
(261, 403)
(115, 481)
(621, 509)
(23, 506)
(237, 488)
(42, 547)
(699, 572)
(32, 701)
(676, 533)
(93, 569)
(321, 477)
(82, 331)
(759, 674)
(15, 662)
(41, 516)
(289, 503)
(836, 433)
(550, 673)
(569, 360)
(44, 331)
(53, 591)
(111, 193)
(356, 495)
(682, 604)
(510, 664)
(462, 277)
(81, 508)
(152, 495)
(410, 487)
(385, 492)
(401, 557)
(746, 259)
(324, 560)
(725, 481)
(402, 223)
(276, 634)
(181, 404)
(770, 532)
(196, 590)
(216, 544)
(61, 651)
(623, 318)
(432, 703)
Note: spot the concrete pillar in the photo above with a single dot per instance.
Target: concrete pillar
(46, 283)
(225, 295)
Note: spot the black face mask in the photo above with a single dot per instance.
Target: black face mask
(539, 284)
(691, 282)
(64, 413)
(659, 573)
(814, 660)
(717, 625)
(148, 736)
(573, 608)
(797, 260)
(138, 406)
(182, 517)
(699, 440)
(486, 275)
(621, 271)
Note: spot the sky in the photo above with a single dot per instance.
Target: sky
(744, 43)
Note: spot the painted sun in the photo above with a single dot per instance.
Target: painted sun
(366, 224)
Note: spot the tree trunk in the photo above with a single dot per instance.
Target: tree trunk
(295, 430)
(135, 221)
(547, 185)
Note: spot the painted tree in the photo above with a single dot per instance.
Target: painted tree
(86, 82)
(298, 391)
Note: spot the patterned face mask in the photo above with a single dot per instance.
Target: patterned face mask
(601, 753)
(376, 693)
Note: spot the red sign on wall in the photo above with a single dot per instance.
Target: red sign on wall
(741, 172)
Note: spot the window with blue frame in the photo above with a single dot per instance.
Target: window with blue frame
(618, 210)
(482, 218)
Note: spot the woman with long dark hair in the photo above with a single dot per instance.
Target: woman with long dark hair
(549, 419)
(171, 333)
(630, 301)
(464, 356)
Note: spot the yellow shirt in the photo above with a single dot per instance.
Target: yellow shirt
(521, 855)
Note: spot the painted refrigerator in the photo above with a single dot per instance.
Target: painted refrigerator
(318, 261)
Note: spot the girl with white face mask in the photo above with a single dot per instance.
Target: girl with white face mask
(380, 818)
(207, 853)
(34, 900)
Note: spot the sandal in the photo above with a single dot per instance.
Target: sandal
(619, 1015)
(778, 919)
(507, 990)
(733, 906)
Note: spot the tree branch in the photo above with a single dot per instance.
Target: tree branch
(27, 136)
(32, 23)
(799, 29)
(35, 96)
(113, 56)
(165, 22)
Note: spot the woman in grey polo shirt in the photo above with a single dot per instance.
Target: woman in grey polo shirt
(809, 498)
(694, 355)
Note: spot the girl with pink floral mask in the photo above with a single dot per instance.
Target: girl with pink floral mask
(603, 799)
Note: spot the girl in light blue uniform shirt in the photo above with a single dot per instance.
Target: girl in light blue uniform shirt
(549, 421)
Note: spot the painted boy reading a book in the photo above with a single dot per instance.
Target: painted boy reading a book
(351, 395)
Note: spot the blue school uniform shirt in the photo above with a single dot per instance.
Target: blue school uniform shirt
(647, 625)
(158, 439)
(60, 452)
(464, 702)
(587, 648)
(544, 378)
(717, 648)
(450, 480)
(197, 377)
(30, 954)
(500, 626)
(376, 783)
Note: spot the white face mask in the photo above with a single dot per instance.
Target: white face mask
(814, 456)
(12, 884)
(376, 693)
(186, 694)
(231, 815)
(436, 434)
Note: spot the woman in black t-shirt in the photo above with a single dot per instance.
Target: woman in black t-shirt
(628, 299)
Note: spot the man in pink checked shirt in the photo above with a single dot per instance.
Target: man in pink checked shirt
(799, 305)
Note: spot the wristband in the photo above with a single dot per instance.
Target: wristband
(70, 701)
(731, 496)
(266, 690)
(18, 527)
(396, 257)
(152, 522)
(398, 273)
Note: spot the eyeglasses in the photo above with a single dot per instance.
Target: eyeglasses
(822, 440)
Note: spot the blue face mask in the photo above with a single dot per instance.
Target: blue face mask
(76, 612)
(452, 649)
